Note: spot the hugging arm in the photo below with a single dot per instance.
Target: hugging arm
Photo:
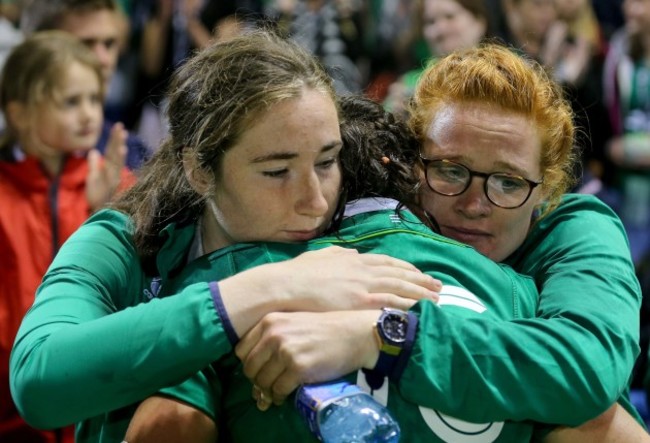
(574, 358)
(81, 343)
(497, 363)
(549, 358)
(329, 279)
(89, 337)
(586, 315)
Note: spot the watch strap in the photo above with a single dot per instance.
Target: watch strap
(388, 364)
(400, 364)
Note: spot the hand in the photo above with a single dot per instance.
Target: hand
(337, 278)
(285, 350)
(104, 174)
(330, 279)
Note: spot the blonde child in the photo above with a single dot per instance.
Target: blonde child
(51, 178)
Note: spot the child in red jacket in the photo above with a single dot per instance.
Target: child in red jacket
(51, 178)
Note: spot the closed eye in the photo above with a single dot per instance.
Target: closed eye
(276, 173)
(327, 164)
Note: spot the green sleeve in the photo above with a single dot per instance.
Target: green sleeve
(487, 370)
(583, 244)
(89, 345)
(566, 366)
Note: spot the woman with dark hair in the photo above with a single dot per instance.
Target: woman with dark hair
(253, 154)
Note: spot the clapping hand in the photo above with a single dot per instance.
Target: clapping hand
(104, 174)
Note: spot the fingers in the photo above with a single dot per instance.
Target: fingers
(282, 387)
(376, 273)
(116, 148)
(400, 283)
(392, 301)
(274, 367)
(255, 353)
(94, 166)
(248, 342)
(104, 174)
(406, 278)
(258, 358)
(263, 400)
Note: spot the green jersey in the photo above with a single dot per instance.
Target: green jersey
(583, 244)
(476, 291)
(99, 337)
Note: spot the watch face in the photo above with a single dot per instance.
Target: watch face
(394, 327)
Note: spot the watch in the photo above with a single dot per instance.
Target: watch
(391, 329)
(392, 333)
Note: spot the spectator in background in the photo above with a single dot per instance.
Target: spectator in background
(449, 25)
(609, 14)
(10, 36)
(627, 96)
(51, 92)
(331, 30)
(100, 25)
(573, 39)
(566, 40)
(526, 24)
(166, 33)
(393, 42)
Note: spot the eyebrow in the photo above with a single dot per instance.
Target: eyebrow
(290, 155)
(91, 41)
(499, 166)
(510, 169)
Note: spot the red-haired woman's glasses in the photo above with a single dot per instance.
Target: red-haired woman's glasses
(504, 190)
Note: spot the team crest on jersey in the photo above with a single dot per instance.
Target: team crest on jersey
(154, 290)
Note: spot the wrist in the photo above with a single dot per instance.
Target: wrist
(248, 296)
(219, 306)
(279, 295)
(395, 333)
(371, 342)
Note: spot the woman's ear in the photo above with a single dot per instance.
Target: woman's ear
(199, 179)
(17, 116)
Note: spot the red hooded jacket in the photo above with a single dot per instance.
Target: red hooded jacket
(37, 214)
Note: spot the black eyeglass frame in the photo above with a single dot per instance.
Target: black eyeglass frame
(427, 161)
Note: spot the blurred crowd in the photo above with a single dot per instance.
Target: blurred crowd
(596, 48)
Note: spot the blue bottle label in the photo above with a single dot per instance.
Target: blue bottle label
(311, 399)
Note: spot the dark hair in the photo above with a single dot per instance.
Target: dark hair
(378, 158)
(213, 98)
(379, 152)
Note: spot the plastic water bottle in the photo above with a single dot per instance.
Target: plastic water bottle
(340, 412)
